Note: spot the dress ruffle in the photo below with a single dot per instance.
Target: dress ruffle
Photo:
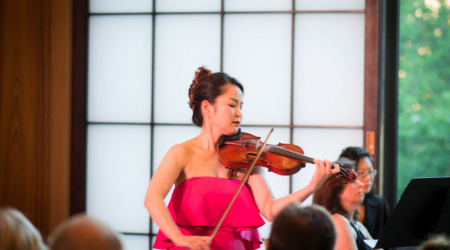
(197, 205)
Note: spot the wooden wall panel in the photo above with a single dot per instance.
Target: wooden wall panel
(35, 68)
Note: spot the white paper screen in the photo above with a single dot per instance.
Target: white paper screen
(257, 52)
(118, 173)
(317, 5)
(257, 5)
(188, 5)
(135, 242)
(119, 85)
(183, 43)
(120, 6)
(329, 69)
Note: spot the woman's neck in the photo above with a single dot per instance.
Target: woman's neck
(208, 137)
(350, 207)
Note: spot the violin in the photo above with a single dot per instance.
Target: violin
(244, 151)
(237, 151)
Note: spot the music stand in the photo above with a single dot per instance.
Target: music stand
(423, 209)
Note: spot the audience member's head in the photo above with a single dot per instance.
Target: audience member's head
(363, 162)
(17, 232)
(83, 233)
(302, 228)
(328, 194)
(438, 242)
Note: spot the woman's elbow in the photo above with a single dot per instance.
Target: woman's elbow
(149, 202)
(268, 216)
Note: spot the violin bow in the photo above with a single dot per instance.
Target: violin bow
(249, 170)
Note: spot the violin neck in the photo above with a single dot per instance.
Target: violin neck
(291, 154)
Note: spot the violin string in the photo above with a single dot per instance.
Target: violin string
(344, 171)
(289, 153)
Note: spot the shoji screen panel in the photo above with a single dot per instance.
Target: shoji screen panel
(188, 5)
(120, 6)
(257, 51)
(135, 242)
(329, 69)
(119, 116)
(182, 44)
(259, 5)
(330, 5)
(328, 83)
(118, 163)
(119, 88)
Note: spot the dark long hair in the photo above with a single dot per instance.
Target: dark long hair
(302, 228)
(207, 86)
(328, 194)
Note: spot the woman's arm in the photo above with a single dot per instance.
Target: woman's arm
(345, 234)
(165, 176)
(268, 206)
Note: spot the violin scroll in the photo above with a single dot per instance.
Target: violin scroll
(348, 174)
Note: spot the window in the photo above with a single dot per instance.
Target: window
(424, 94)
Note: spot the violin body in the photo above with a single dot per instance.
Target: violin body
(238, 154)
(283, 159)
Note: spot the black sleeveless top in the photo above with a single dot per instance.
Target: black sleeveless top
(359, 238)
(360, 241)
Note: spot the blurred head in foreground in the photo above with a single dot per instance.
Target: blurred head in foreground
(302, 228)
(83, 233)
(437, 242)
(17, 232)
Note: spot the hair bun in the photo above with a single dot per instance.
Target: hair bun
(200, 73)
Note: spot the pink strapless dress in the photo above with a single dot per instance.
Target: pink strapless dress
(197, 205)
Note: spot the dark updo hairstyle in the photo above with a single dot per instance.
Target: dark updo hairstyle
(328, 194)
(302, 228)
(207, 86)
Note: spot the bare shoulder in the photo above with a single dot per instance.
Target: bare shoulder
(342, 225)
(181, 151)
(340, 221)
(338, 218)
(180, 148)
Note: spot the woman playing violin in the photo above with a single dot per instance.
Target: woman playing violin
(202, 189)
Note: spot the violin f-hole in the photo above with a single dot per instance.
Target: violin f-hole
(250, 156)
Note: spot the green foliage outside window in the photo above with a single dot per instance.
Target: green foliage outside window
(424, 90)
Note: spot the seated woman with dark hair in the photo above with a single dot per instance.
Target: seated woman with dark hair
(302, 228)
(341, 199)
(373, 212)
